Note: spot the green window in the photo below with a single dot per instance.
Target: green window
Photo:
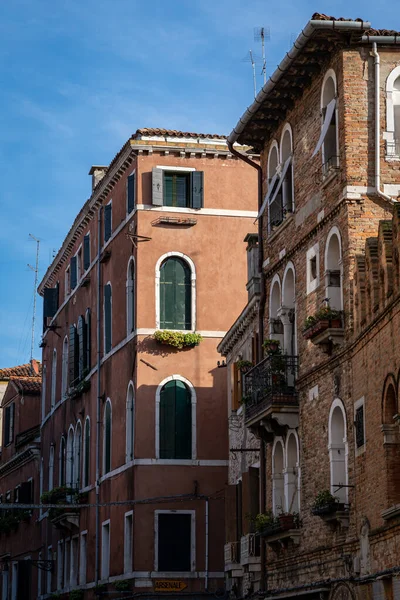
(86, 471)
(107, 318)
(175, 294)
(175, 421)
(107, 437)
(176, 189)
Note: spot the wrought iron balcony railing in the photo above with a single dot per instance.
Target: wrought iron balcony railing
(271, 383)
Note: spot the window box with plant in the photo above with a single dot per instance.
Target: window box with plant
(177, 339)
(266, 523)
(329, 508)
(272, 346)
(244, 366)
(326, 318)
(65, 517)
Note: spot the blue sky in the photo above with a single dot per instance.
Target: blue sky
(78, 77)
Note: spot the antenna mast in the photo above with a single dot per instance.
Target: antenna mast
(262, 34)
(36, 271)
(253, 59)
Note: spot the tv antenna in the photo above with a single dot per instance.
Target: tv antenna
(262, 34)
(36, 271)
(253, 59)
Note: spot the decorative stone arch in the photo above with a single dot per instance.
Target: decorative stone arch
(288, 309)
(130, 422)
(392, 124)
(338, 450)
(53, 379)
(286, 153)
(69, 457)
(86, 453)
(130, 296)
(278, 470)
(330, 146)
(391, 439)
(333, 264)
(389, 399)
(292, 472)
(271, 166)
(342, 591)
(275, 303)
(77, 454)
(190, 386)
(192, 267)
(286, 149)
(107, 458)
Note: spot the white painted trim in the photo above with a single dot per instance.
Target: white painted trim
(128, 546)
(337, 403)
(194, 404)
(210, 212)
(84, 457)
(275, 476)
(192, 536)
(392, 189)
(176, 574)
(77, 469)
(53, 379)
(130, 452)
(130, 297)
(126, 192)
(104, 318)
(205, 334)
(290, 433)
(390, 127)
(103, 525)
(64, 368)
(334, 231)
(192, 267)
(108, 401)
(274, 145)
(168, 168)
(165, 462)
(330, 74)
(312, 252)
(357, 405)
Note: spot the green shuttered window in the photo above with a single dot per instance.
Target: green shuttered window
(86, 470)
(131, 193)
(175, 294)
(74, 272)
(107, 437)
(174, 542)
(107, 318)
(177, 188)
(175, 421)
(73, 359)
(107, 221)
(86, 251)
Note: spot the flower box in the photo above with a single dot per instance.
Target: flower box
(328, 509)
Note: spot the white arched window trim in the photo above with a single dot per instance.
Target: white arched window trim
(69, 458)
(292, 478)
(276, 282)
(288, 304)
(86, 456)
(108, 401)
(287, 129)
(53, 378)
(104, 318)
(278, 504)
(130, 423)
(194, 404)
(130, 297)
(330, 74)
(64, 369)
(77, 455)
(337, 403)
(274, 145)
(334, 231)
(388, 135)
(192, 280)
(61, 464)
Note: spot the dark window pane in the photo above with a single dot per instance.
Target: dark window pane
(107, 433)
(175, 421)
(175, 294)
(107, 318)
(360, 426)
(174, 542)
(86, 251)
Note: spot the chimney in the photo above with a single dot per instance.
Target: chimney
(253, 276)
(97, 173)
(35, 366)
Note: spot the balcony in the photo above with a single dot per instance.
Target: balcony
(232, 559)
(250, 549)
(270, 391)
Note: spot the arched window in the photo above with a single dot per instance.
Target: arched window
(333, 270)
(130, 297)
(287, 169)
(88, 339)
(329, 135)
(69, 459)
(390, 441)
(392, 133)
(107, 318)
(53, 378)
(44, 384)
(107, 427)
(61, 462)
(288, 310)
(338, 450)
(130, 421)
(292, 478)
(64, 373)
(77, 455)
(275, 323)
(278, 486)
(86, 454)
(275, 215)
(175, 418)
(175, 294)
(51, 468)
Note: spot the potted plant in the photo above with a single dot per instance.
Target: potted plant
(177, 339)
(122, 586)
(266, 523)
(272, 346)
(326, 503)
(244, 365)
(328, 315)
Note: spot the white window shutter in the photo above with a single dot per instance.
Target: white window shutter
(267, 196)
(158, 192)
(328, 118)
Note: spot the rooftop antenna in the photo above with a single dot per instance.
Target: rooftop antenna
(251, 57)
(262, 34)
(36, 271)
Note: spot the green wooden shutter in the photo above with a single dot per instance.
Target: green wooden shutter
(74, 272)
(72, 355)
(81, 346)
(12, 421)
(167, 421)
(7, 427)
(88, 339)
(50, 302)
(107, 445)
(168, 189)
(87, 454)
(175, 294)
(131, 192)
(157, 185)
(183, 421)
(196, 189)
(86, 251)
(181, 190)
(107, 318)
(107, 222)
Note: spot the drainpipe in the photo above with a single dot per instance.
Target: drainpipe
(98, 410)
(206, 558)
(380, 193)
(261, 307)
(253, 164)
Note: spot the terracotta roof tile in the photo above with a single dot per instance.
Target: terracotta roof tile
(322, 17)
(28, 385)
(19, 371)
(152, 131)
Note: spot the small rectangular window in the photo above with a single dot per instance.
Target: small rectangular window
(174, 541)
(130, 192)
(86, 252)
(9, 424)
(67, 282)
(105, 550)
(107, 221)
(359, 426)
(128, 543)
(74, 272)
(312, 268)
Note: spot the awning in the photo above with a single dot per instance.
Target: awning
(328, 118)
